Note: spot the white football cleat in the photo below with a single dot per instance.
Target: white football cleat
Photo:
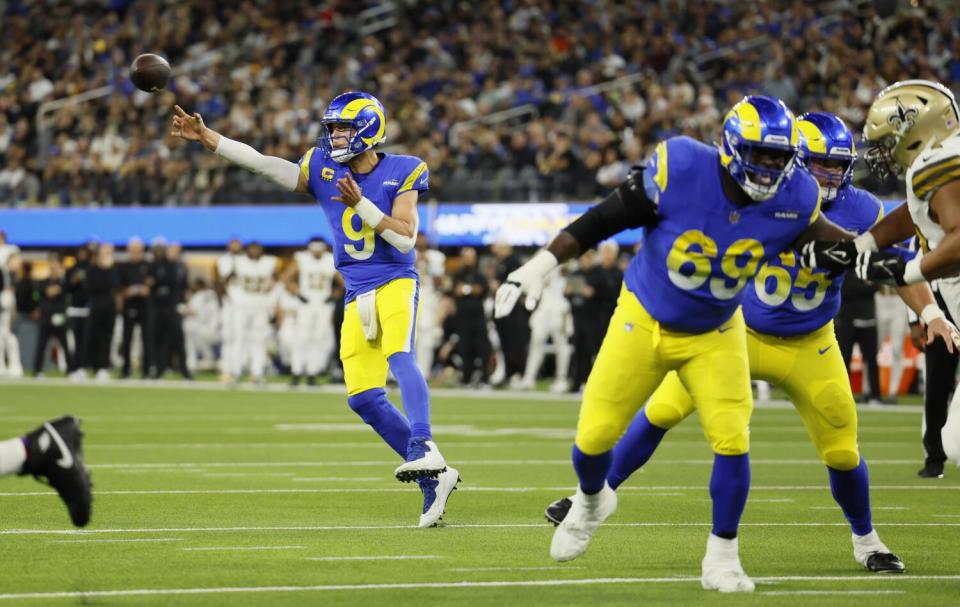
(587, 513)
(435, 494)
(423, 459)
(873, 554)
(721, 569)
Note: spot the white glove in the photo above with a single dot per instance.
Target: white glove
(527, 279)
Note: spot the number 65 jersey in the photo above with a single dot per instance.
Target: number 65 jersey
(696, 260)
(786, 300)
(365, 260)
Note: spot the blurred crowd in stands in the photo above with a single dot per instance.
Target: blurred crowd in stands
(518, 100)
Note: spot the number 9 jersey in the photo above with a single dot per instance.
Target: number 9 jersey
(704, 249)
(365, 260)
(786, 300)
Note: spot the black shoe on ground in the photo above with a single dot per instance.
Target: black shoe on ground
(557, 511)
(295, 380)
(312, 380)
(55, 452)
(885, 562)
(931, 470)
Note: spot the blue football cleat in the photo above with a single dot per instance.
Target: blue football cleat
(436, 492)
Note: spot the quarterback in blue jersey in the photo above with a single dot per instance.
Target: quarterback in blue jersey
(370, 200)
(791, 342)
(713, 215)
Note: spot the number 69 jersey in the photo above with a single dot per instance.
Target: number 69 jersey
(365, 260)
(696, 260)
(786, 300)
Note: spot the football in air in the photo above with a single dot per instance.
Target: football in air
(150, 72)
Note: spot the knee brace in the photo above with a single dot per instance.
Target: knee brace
(840, 458)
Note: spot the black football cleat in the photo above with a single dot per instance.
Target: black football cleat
(931, 470)
(557, 511)
(55, 452)
(885, 562)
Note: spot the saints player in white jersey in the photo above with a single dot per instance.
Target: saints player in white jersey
(914, 130)
(551, 320)
(314, 339)
(290, 305)
(228, 289)
(254, 274)
(431, 264)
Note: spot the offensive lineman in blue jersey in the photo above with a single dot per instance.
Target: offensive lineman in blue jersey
(370, 200)
(713, 215)
(791, 342)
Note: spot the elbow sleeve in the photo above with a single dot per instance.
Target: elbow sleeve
(282, 172)
(626, 207)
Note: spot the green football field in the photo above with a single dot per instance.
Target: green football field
(212, 497)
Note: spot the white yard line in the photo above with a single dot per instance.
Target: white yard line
(390, 557)
(467, 462)
(872, 508)
(553, 568)
(363, 479)
(444, 585)
(449, 527)
(664, 491)
(373, 443)
(772, 500)
(341, 390)
(829, 592)
(237, 548)
(110, 541)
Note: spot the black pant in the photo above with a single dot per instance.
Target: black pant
(48, 330)
(99, 337)
(474, 344)
(166, 339)
(941, 379)
(514, 332)
(849, 334)
(133, 315)
(586, 343)
(78, 328)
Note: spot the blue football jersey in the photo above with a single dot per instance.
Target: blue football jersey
(696, 260)
(787, 300)
(365, 260)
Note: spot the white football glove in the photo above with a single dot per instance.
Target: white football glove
(527, 279)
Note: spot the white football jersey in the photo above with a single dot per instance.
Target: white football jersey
(6, 252)
(290, 305)
(316, 275)
(255, 276)
(226, 265)
(432, 261)
(935, 167)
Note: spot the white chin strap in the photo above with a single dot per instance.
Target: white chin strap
(760, 193)
(829, 193)
(341, 155)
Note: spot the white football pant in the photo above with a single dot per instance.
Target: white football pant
(314, 340)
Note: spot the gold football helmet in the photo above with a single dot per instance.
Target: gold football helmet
(903, 120)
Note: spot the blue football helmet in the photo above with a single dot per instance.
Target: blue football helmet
(824, 137)
(366, 117)
(759, 145)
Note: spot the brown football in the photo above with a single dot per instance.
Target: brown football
(149, 72)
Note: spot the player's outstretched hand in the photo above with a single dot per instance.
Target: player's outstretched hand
(941, 328)
(528, 280)
(828, 255)
(186, 126)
